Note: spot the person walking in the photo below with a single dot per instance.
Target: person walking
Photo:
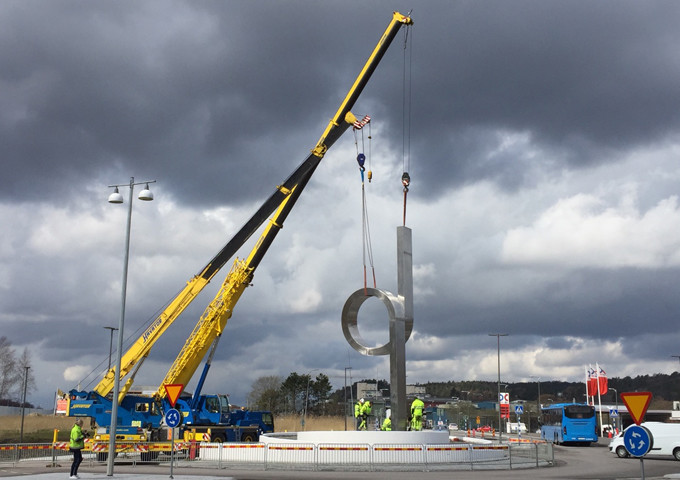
(76, 445)
(417, 408)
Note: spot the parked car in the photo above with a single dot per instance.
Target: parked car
(453, 426)
(485, 428)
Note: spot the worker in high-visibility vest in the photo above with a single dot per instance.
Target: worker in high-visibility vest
(365, 412)
(387, 423)
(417, 408)
(358, 408)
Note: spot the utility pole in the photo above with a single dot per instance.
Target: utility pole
(112, 329)
(498, 341)
(23, 405)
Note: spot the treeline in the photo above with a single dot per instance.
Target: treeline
(664, 388)
(302, 393)
(15, 375)
(296, 394)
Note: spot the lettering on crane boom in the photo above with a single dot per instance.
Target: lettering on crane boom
(151, 328)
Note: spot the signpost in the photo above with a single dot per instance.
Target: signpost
(637, 439)
(519, 410)
(173, 418)
(614, 415)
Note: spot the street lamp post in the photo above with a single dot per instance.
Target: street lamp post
(498, 344)
(345, 392)
(111, 329)
(116, 197)
(538, 399)
(23, 405)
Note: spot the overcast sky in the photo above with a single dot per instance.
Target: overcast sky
(541, 137)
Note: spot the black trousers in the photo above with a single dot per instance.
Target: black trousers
(77, 458)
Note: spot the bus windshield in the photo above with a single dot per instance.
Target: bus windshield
(579, 411)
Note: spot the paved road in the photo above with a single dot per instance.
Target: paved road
(572, 463)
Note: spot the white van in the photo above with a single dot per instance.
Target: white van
(515, 427)
(665, 440)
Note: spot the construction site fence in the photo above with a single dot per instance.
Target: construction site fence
(294, 455)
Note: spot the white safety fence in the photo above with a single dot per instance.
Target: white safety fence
(306, 456)
(353, 456)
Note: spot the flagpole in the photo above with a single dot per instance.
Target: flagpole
(599, 398)
(585, 368)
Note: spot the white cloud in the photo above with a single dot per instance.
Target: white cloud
(75, 373)
(585, 231)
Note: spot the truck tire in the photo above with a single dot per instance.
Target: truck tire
(218, 438)
(248, 437)
(623, 453)
(149, 456)
(104, 456)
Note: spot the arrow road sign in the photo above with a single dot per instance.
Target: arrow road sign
(173, 418)
(637, 440)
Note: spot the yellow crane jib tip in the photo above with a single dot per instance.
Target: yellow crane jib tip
(350, 118)
(405, 19)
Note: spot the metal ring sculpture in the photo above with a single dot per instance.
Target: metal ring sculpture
(350, 328)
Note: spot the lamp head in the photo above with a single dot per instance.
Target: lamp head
(116, 197)
(146, 194)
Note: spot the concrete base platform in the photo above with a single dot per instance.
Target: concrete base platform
(427, 437)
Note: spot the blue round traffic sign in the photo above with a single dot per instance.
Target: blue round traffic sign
(173, 418)
(637, 440)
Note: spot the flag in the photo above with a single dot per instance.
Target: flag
(602, 383)
(592, 382)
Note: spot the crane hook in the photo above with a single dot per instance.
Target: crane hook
(405, 181)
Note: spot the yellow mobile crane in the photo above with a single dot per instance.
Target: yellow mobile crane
(211, 324)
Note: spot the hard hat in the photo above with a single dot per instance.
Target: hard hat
(361, 400)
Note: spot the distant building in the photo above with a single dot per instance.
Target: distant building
(413, 390)
(369, 391)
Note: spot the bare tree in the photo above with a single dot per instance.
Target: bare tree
(265, 394)
(9, 381)
(24, 372)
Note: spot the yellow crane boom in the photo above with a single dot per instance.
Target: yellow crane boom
(212, 322)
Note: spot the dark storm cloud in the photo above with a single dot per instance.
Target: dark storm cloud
(209, 100)
(583, 79)
(589, 304)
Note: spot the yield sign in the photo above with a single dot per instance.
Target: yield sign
(637, 403)
(174, 391)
